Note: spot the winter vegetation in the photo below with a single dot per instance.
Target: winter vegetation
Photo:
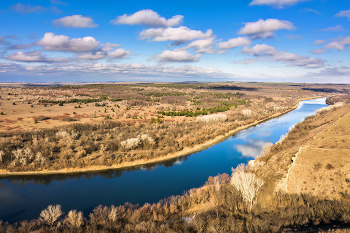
(212, 118)
(243, 202)
(79, 126)
(246, 183)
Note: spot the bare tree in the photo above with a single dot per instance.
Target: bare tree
(247, 184)
(74, 218)
(51, 214)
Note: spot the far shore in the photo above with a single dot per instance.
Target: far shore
(184, 152)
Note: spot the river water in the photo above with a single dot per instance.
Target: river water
(24, 197)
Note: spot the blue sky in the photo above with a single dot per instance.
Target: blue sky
(184, 40)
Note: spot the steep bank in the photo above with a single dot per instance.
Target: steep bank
(314, 158)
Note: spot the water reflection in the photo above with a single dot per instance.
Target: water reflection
(251, 148)
(107, 174)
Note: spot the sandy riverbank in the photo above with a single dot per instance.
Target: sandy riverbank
(184, 152)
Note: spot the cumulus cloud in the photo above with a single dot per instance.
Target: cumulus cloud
(233, 43)
(338, 44)
(336, 28)
(176, 56)
(27, 9)
(34, 56)
(246, 61)
(317, 42)
(276, 3)
(52, 42)
(202, 46)
(174, 34)
(148, 17)
(92, 56)
(292, 59)
(318, 51)
(118, 54)
(343, 14)
(265, 28)
(258, 49)
(108, 46)
(75, 21)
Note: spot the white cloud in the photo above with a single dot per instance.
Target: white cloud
(246, 61)
(257, 49)
(176, 56)
(109, 46)
(336, 28)
(343, 14)
(75, 21)
(265, 28)
(123, 70)
(276, 3)
(26, 9)
(338, 44)
(292, 59)
(317, 42)
(148, 17)
(174, 34)
(202, 46)
(234, 42)
(34, 56)
(52, 42)
(296, 60)
(118, 54)
(92, 56)
(318, 51)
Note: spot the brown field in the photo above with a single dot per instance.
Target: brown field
(94, 127)
(310, 168)
(81, 127)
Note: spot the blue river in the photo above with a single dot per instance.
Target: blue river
(24, 197)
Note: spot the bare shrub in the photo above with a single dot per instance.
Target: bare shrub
(62, 134)
(212, 118)
(51, 214)
(74, 218)
(247, 184)
(130, 143)
(247, 112)
(266, 148)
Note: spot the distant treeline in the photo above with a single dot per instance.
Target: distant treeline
(83, 101)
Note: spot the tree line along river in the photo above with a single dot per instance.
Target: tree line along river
(23, 197)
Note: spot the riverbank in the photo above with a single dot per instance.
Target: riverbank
(184, 152)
